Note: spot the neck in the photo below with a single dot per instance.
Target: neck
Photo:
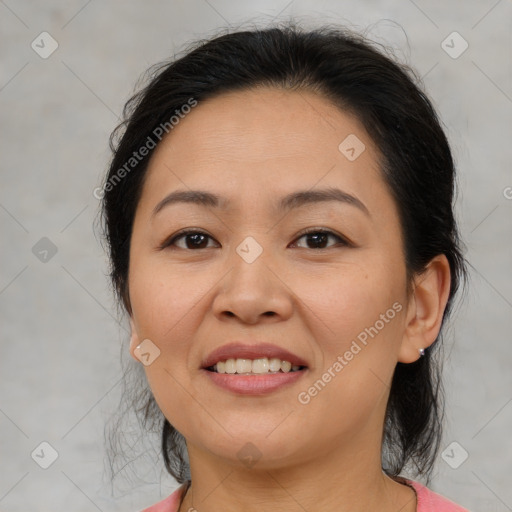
(348, 480)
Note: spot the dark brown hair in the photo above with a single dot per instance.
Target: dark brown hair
(416, 163)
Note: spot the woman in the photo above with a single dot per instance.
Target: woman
(279, 213)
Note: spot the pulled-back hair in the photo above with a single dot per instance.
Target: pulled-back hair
(415, 161)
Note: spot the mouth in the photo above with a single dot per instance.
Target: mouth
(260, 366)
(256, 369)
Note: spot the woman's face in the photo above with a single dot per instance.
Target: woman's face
(337, 304)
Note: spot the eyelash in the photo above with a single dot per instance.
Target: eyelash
(182, 234)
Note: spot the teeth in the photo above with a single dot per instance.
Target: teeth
(274, 364)
(230, 366)
(260, 366)
(243, 365)
(255, 366)
(286, 366)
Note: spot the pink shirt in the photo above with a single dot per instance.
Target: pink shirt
(428, 501)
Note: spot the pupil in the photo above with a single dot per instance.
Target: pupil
(196, 237)
(322, 236)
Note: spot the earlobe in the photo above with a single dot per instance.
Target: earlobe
(134, 339)
(426, 309)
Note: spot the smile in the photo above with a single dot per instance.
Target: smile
(264, 376)
(259, 366)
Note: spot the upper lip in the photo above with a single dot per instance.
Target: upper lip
(238, 350)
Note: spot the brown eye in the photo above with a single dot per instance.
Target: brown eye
(193, 240)
(319, 238)
(316, 239)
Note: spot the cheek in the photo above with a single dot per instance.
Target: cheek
(162, 300)
(358, 316)
(349, 298)
(363, 307)
(166, 308)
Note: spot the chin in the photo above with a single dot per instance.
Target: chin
(256, 450)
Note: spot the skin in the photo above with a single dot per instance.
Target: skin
(253, 147)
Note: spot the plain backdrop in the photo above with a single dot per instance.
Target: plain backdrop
(60, 364)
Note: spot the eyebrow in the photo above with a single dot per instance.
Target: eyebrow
(289, 202)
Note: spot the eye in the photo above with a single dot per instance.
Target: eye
(197, 240)
(319, 237)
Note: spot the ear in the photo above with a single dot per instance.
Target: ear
(425, 310)
(134, 340)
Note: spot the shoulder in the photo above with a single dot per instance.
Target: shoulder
(429, 501)
(169, 504)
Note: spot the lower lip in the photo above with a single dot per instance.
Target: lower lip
(254, 384)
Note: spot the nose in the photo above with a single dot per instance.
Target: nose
(253, 292)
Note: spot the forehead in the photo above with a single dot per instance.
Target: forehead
(264, 122)
(264, 141)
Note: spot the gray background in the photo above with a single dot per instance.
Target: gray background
(60, 340)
